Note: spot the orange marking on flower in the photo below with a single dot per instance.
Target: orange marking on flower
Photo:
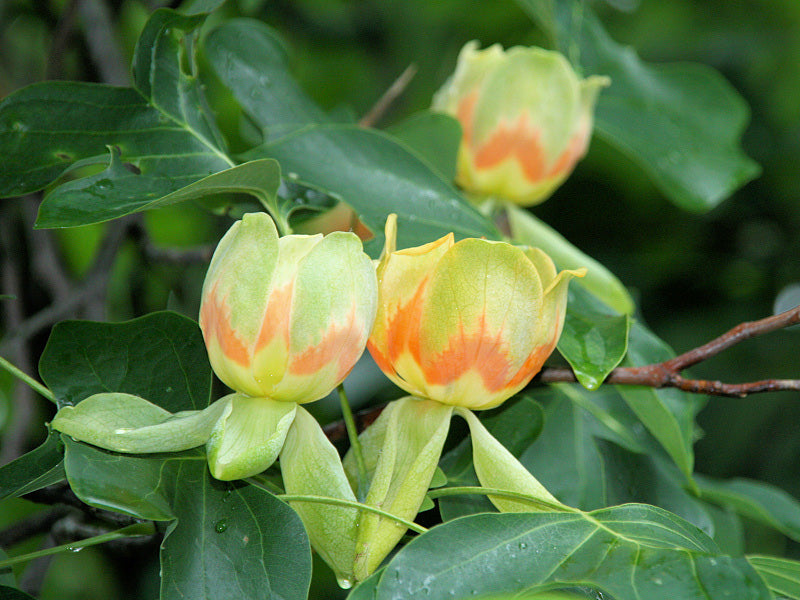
(464, 112)
(573, 152)
(480, 351)
(340, 344)
(518, 141)
(276, 316)
(533, 364)
(402, 331)
(215, 322)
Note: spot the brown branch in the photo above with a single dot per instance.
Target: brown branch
(667, 373)
(389, 96)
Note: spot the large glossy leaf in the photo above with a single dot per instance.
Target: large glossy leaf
(252, 61)
(130, 484)
(232, 541)
(756, 500)
(682, 123)
(161, 139)
(782, 575)
(594, 339)
(667, 413)
(435, 137)
(369, 170)
(630, 551)
(160, 357)
(226, 536)
(376, 176)
(32, 471)
(75, 202)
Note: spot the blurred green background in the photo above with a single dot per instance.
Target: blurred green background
(695, 276)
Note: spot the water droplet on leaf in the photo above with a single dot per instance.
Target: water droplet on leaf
(220, 526)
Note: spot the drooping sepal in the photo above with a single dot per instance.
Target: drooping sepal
(497, 468)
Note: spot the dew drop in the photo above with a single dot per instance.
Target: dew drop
(220, 526)
(522, 545)
(344, 583)
(73, 549)
(658, 581)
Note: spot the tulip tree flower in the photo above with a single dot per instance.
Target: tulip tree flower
(460, 326)
(526, 120)
(284, 322)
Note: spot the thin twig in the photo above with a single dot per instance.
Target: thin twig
(389, 96)
(34, 525)
(22, 414)
(93, 284)
(101, 40)
(667, 373)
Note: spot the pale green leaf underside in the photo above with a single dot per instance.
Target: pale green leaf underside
(127, 423)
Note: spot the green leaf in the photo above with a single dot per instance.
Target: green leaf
(782, 575)
(369, 170)
(159, 132)
(630, 551)
(38, 468)
(594, 339)
(756, 500)
(377, 176)
(160, 357)
(7, 593)
(226, 536)
(76, 203)
(682, 123)
(667, 413)
(435, 137)
(602, 283)
(134, 485)
(231, 540)
(252, 61)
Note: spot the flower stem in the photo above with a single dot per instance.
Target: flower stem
(27, 379)
(350, 504)
(355, 443)
(135, 530)
(457, 491)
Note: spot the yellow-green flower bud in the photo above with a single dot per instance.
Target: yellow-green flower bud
(468, 323)
(286, 318)
(527, 120)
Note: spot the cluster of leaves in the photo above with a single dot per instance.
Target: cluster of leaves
(652, 528)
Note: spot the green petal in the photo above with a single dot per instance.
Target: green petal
(127, 423)
(497, 468)
(408, 451)
(311, 466)
(248, 437)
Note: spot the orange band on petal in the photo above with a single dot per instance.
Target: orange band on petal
(516, 141)
(340, 344)
(479, 351)
(574, 151)
(276, 316)
(215, 318)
